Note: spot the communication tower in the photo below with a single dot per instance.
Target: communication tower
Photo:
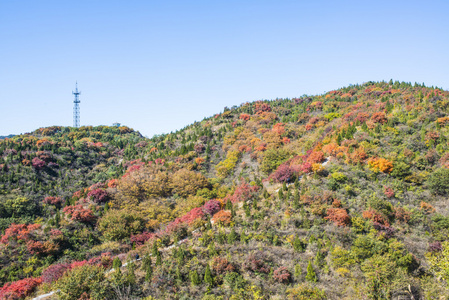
(76, 107)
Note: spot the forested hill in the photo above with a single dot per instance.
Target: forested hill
(336, 196)
(6, 136)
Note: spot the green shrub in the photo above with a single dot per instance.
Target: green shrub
(438, 182)
(88, 280)
(118, 224)
(273, 158)
(305, 292)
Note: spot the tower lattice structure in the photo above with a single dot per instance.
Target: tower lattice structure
(76, 107)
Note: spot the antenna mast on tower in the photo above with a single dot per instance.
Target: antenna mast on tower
(76, 107)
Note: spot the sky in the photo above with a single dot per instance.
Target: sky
(158, 66)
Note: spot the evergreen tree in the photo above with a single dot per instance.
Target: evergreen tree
(131, 276)
(211, 248)
(147, 267)
(280, 194)
(311, 275)
(339, 138)
(296, 199)
(208, 276)
(116, 263)
(158, 258)
(297, 272)
(154, 249)
(178, 274)
(232, 236)
(194, 278)
(297, 244)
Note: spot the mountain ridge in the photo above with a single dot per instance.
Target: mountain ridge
(303, 198)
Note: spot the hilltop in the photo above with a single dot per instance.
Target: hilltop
(336, 196)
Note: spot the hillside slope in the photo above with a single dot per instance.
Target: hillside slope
(334, 196)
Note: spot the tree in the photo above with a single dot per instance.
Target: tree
(222, 217)
(147, 267)
(211, 207)
(116, 263)
(439, 261)
(282, 275)
(194, 278)
(185, 182)
(208, 276)
(311, 275)
(284, 173)
(438, 182)
(118, 224)
(378, 271)
(79, 213)
(19, 207)
(98, 195)
(232, 236)
(339, 216)
(273, 158)
(87, 279)
(298, 245)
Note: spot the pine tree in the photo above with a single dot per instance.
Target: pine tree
(228, 205)
(377, 129)
(281, 194)
(158, 258)
(147, 267)
(154, 249)
(116, 263)
(296, 199)
(208, 276)
(311, 275)
(232, 236)
(297, 245)
(298, 272)
(178, 274)
(364, 126)
(247, 210)
(266, 195)
(319, 258)
(211, 248)
(180, 255)
(243, 237)
(297, 183)
(194, 278)
(131, 276)
(339, 138)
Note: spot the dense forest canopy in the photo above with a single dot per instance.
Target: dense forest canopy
(336, 196)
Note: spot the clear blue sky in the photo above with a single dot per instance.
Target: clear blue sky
(157, 66)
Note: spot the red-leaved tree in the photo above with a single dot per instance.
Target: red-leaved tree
(98, 195)
(339, 216)
(79, 213)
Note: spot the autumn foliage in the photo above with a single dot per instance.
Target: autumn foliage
(52, 200)
(380, 165)
(339, 216)
(79, 213)
(19, 232)
(222, 217)
(379, 117)
(98, 195)
(374, 216)
(19, 289)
